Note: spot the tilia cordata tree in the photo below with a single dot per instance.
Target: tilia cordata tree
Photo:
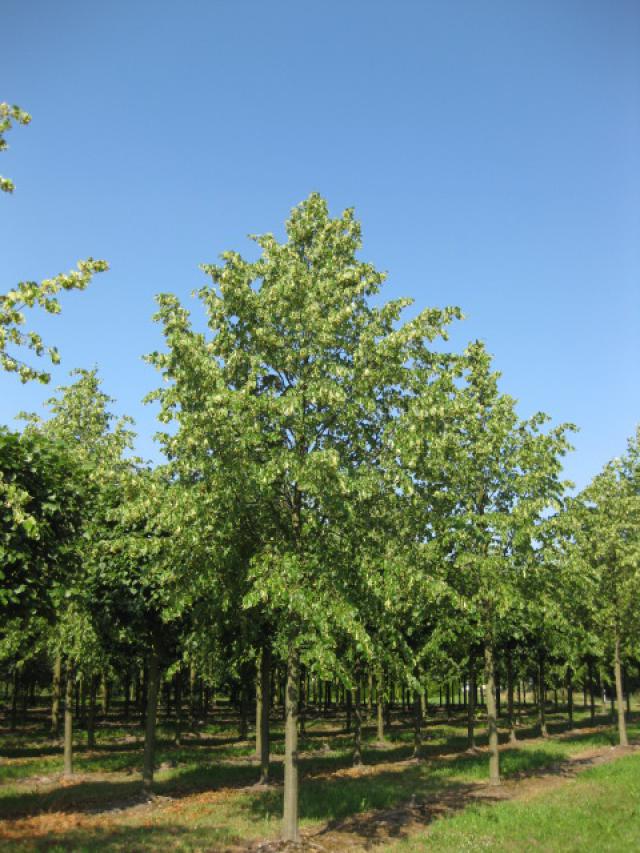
(96, 442)
(500, 476)
(606, 530)
(289, 391)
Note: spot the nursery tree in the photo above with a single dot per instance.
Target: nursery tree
(607, 537)
(289, 391)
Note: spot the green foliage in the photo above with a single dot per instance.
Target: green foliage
(29, 294)
(8, 115)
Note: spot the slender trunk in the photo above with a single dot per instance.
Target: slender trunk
(144, 695)
(510, 715)
(82, 716)
(471, 706)
(417, 726)
(349, 702)
(492, 721)
(570, 696)
(542, 717)
(380, 708)
(243, 731)
(178, 705)
(622, 724)
(592, 694)
(262, 723)
(519, 703)
(153, 689)
(192, 696)
(14, 699)
(357, 728)
(105, 694)
(68, 720)
(127, 694)
(301, 702)
(55, 695)
(91, 718)
(290, 830)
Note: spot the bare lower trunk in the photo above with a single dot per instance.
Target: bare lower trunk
(542, 716)
(380, 708)
(471, 707)
(153, 689)
(55, 695)
(290, 830)
(510, 714)
(570, 696)
(262, 724)
(68, 721)
(178, 705)
(357, 733)
(417, 726)
(91, 717)
(349, 709)
(192, 696)
(14, 699)
(492, 721)
(622, 724)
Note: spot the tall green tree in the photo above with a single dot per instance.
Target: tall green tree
(289, 391)
(607, 546)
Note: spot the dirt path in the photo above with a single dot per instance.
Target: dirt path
(376, 828)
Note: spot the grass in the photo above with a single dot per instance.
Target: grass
(598, 810)
(206, 801)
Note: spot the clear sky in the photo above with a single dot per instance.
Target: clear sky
(491, 150)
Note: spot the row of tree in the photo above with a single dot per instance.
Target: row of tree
(342, 499)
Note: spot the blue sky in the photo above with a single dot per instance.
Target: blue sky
(491, 150)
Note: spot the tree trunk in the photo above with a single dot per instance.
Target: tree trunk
(105, 694)
(357, 728)
(380, 708)
(592, 694)
(91, 718)
(349, 703)
(471, 706)
(492, 721)
(302, 698)
(243, 731)
(542, 716)
(68, 720)
(153, 689)
(127, 694)
(262, 713)
(55, 695)
(622, 724)
(570, 696)
(192, 696)
(290, 830)
(178, 705)
(510, 714)
(14, 699)
(417, 726)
